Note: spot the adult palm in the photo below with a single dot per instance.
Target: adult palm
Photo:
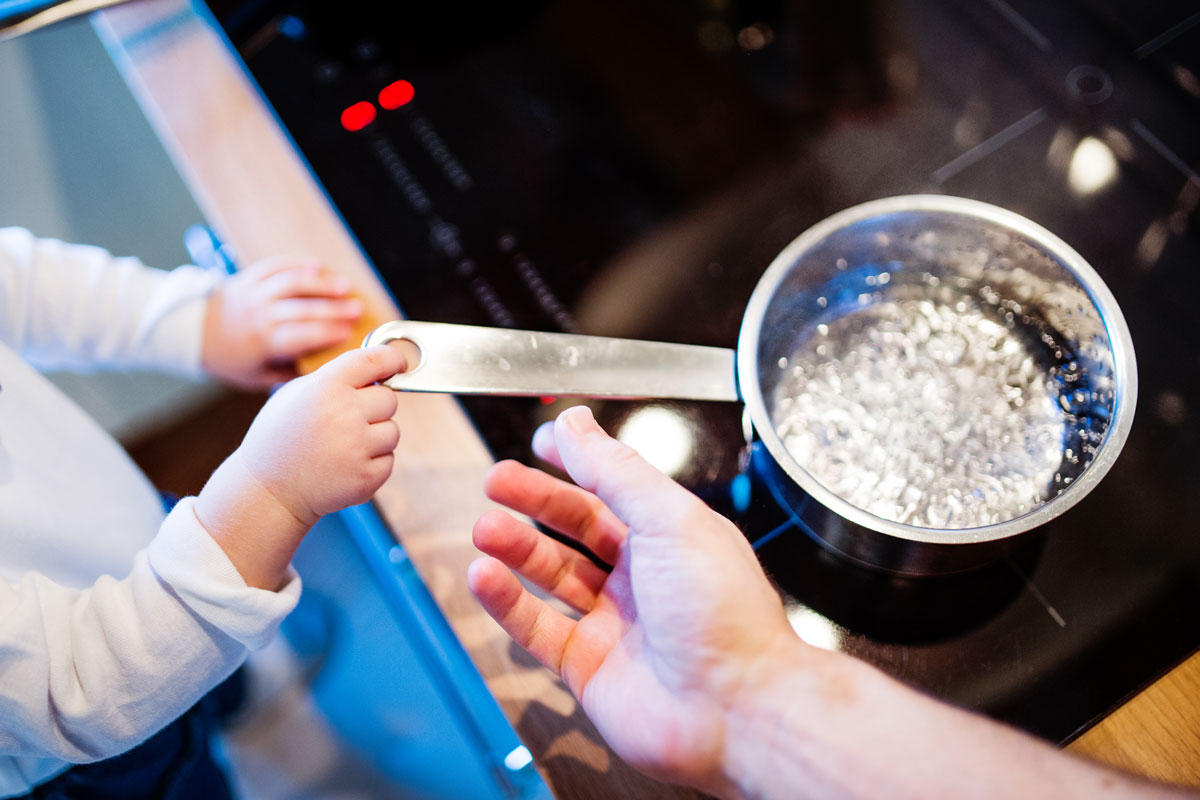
(666, 641)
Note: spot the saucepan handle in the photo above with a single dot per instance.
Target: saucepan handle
(468, 359)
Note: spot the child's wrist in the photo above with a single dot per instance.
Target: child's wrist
(256, 529)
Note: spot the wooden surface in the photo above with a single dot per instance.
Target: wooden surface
(1157, 733)
(259, 196)
(262, 200)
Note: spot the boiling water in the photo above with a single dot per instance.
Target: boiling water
(932, 412)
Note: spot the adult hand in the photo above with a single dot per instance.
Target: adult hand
(321, 443)
(668, 641)
(683, 658)
(261, 319)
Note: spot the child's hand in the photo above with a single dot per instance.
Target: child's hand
(325, 441)
(263, 318)
(321, 443)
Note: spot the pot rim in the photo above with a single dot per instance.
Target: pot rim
(1121, 343)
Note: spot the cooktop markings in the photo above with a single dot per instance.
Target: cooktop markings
(988, 146)
(1164, 151)
(1168, 35)
(766, 537)
(1023, 25)
(1037, 594)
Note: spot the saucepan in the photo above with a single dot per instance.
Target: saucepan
(938, 374)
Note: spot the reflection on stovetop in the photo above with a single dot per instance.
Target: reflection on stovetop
(630, 168)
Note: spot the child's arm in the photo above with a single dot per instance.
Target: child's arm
(70, 306)
(86, 674)
(317, 446)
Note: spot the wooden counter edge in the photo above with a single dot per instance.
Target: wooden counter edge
(248, 180)
(1156, 733)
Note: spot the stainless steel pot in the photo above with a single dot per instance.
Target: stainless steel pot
(938, 374)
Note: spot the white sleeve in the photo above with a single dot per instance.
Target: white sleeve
(86, 674)
(69, 306)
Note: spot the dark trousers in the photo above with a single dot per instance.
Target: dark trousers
(174, 764)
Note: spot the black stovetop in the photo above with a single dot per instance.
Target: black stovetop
(630, 167)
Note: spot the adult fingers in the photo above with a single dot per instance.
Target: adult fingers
(294, 339)
(378, 403)
(363, 366)
(544, 446)
(558, 569)
(644, 498)
(383, 437)
(557, 504)
(530, 621)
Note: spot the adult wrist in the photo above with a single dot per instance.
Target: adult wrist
(776, 724)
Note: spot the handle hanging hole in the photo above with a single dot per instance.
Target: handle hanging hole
(411, 351)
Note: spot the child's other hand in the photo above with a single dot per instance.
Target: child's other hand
(324, 441)
(263, 318)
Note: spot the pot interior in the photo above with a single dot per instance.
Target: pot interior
(947, 368)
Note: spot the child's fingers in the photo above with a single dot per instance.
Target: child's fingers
(273, 264)
(314, 309)
(308, 281)
(530, 621)
(295, 339)
(553, 566)
(567, 509)
(382, 438)
(366, 365)
(378, 403)
(380, 468)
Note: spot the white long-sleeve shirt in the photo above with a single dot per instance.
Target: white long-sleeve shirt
(113, 620)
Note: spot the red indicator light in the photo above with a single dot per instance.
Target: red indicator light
(547, 400)
(395, 95)
(358, 116)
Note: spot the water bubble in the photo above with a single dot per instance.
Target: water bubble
(926, 411)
